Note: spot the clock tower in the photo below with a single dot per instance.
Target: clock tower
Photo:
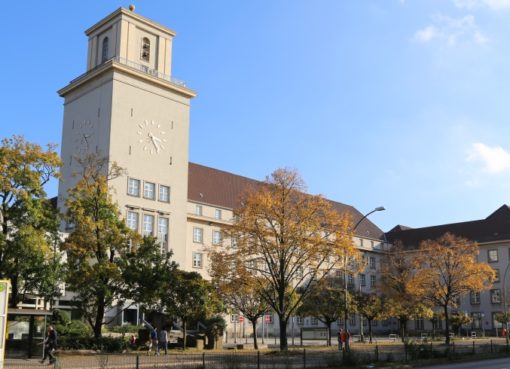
(129, 108)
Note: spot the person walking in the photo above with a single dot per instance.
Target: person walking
(154, 341)
(343, 337)
(163, 340)
(347, 340)
(50, 345)
(339, 337)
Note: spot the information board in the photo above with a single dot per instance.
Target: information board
(4, 297)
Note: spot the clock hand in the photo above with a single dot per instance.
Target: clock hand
(154, 140)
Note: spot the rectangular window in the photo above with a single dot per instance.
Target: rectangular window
(492, 255)
(314, 321)
(198, 235)
(419, 323)
(163, 232)
(198, 210)
(372, 262)
(197, 260)
(164, 193)
(361, 242)
(217, 214)
(148, 190)
(496, 296)
(299, 320)
(234, 318)
(148, 225)
(474, 298)
(352, 320)
(132, 220)
(362, 280)
(350, 280)
(477, 320)
(216, 237)
(496, 277)
(338, 273)
(372, 280)
(133, 187)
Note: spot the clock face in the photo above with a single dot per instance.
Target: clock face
(83, 139)
(151, 136)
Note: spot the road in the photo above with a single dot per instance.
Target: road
(485, 364)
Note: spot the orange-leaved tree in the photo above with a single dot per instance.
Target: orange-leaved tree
(400, 302)
(446, 269)
(290, 240)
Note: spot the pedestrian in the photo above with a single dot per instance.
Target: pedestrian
(163, 340)
(347, 340)
(339, 336)
(154, 341)
(343, 338)
(50, 345)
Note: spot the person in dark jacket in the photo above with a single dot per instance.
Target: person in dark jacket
(50, 345)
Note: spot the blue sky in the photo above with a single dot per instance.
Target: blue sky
(397, 103)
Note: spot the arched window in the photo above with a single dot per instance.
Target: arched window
(146, 49)
(104, 52)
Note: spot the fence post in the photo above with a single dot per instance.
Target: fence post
(453, 347)
(203, 360)
(258, 359)
(405, 352)
(473, 347)
(376, 353)
(137, 361)
(491, 346)
(304, 358)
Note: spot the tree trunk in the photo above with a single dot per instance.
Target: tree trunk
(98, 324)
(14, 291)
(184, 333)
(447, 325)
(283, 334)
(369, 330)
(328, 325)
(403, 323)
(254, 325)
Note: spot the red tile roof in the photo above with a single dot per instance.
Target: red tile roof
(495, 227)
(219, 188)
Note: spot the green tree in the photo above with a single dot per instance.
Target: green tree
(290, 239)
(458, 320)
(190, 297)
(447, 269)
(28, 221)
(98, 239)
(370, 306)
(325, 301)
(146, 271)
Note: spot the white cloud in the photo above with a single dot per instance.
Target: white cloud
(452, 31)
(495, 159)
(491, 4)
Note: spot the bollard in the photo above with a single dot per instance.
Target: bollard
(473, 347)
(137, 361)
(491, 346)
(203, 360)
(258, 359)
(304, 358)
(376, 353)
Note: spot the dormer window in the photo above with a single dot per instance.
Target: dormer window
(146, 49)
(104, 52)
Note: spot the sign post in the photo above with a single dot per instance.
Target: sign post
(4, 298)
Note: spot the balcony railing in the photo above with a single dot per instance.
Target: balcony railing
(140, 67)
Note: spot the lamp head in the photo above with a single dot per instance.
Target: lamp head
(379, 208)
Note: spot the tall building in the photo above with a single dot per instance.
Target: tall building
(128, 107)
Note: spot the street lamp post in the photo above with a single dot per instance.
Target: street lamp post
(379, 208)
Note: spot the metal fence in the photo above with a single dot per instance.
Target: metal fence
(294, 359)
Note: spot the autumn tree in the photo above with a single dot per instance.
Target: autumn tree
(190, 297)
(458, 320)
(290, 239)
(370, 306)
(28, 221)
(325, 301)
(239, 288)
(99, 237)
(400, 302)
(447, 269)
